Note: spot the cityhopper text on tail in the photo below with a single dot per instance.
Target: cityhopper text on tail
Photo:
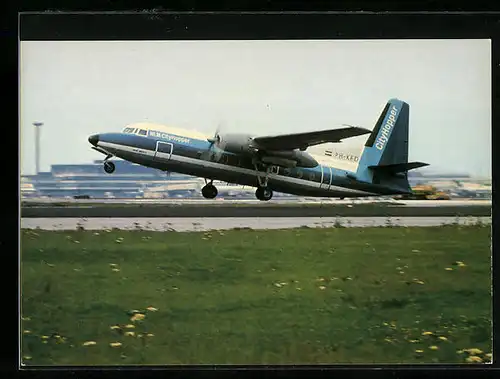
(303, 164)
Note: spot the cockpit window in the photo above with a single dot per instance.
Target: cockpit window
(143, 132)
(128, 130)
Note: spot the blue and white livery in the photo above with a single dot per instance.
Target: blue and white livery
(304, 164)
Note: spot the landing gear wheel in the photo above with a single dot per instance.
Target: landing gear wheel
(264, 193)
(109, 167)
(209, 191)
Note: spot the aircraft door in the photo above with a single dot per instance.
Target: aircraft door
(326, 177)
(163, 151)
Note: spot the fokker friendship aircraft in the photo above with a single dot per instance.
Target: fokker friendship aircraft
(275, 163)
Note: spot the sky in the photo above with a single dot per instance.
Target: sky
(78, 88)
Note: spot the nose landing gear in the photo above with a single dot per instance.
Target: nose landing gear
(109, 167)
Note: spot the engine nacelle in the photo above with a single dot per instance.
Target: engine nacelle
(277, 161)
(301, 158)
(235, 143)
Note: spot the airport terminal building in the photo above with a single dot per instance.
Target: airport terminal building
(135, 181)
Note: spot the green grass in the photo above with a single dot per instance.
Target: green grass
(254, 297)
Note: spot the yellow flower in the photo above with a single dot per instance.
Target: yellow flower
(27, 331)
(113, 265)
(114, 327)
(473, 351)
(27, 357)
(474, 359)
(151, 309)
(115, 344)
(131, 334)
(419, 351)
(150, 335)
(45, 337)
(115, 269)
(137, 316)
(427, 333)
(462, 264)
(89, 343)
(448, 269)
(442, 338)
(130, 326)
(433, 347)
(414, 341)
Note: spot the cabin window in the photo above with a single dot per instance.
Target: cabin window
(311, 175)
(143, 132)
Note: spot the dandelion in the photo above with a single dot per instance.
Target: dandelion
(321, 287)
(427, 333)
(115, 269)
(473, 359)
(419, 282)
(415, 251)
(150, 335)
(137, 316)
(113, 265)
(115, 344)
(44, 337)
(76, 241)
(277, 285)
(433, 347)
(118, 241)
(27, 331)
(461, 264)
(442, 338)
(320, 279)
(387, 340)
(152, 309)
(114, 327)
(130, 334)
(89, 343)
(419, 351)
(129, 326)
(386, 324)
(473, 351)
(401, 272)
(448, 269)
(27, 357)
(299, 289)
(414, 341)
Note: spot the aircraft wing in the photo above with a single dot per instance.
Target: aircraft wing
(304, 140)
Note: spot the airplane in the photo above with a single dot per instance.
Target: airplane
(275, 163)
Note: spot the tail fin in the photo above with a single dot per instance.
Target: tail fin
(384, 159)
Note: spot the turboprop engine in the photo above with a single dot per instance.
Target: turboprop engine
(239, 143)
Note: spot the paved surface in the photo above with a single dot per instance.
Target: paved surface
(420, 203)
(202, 224)
(255, 211)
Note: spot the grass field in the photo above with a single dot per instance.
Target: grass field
(302, 296)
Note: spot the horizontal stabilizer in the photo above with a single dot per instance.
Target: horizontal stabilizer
(398, 167)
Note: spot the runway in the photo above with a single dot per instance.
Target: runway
(224, 223)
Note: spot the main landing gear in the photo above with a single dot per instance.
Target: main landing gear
(209, 191)
(109, 167)
(263, 192)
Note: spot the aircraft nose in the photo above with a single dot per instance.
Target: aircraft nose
(94, 139)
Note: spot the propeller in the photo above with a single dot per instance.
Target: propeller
(216, 138)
